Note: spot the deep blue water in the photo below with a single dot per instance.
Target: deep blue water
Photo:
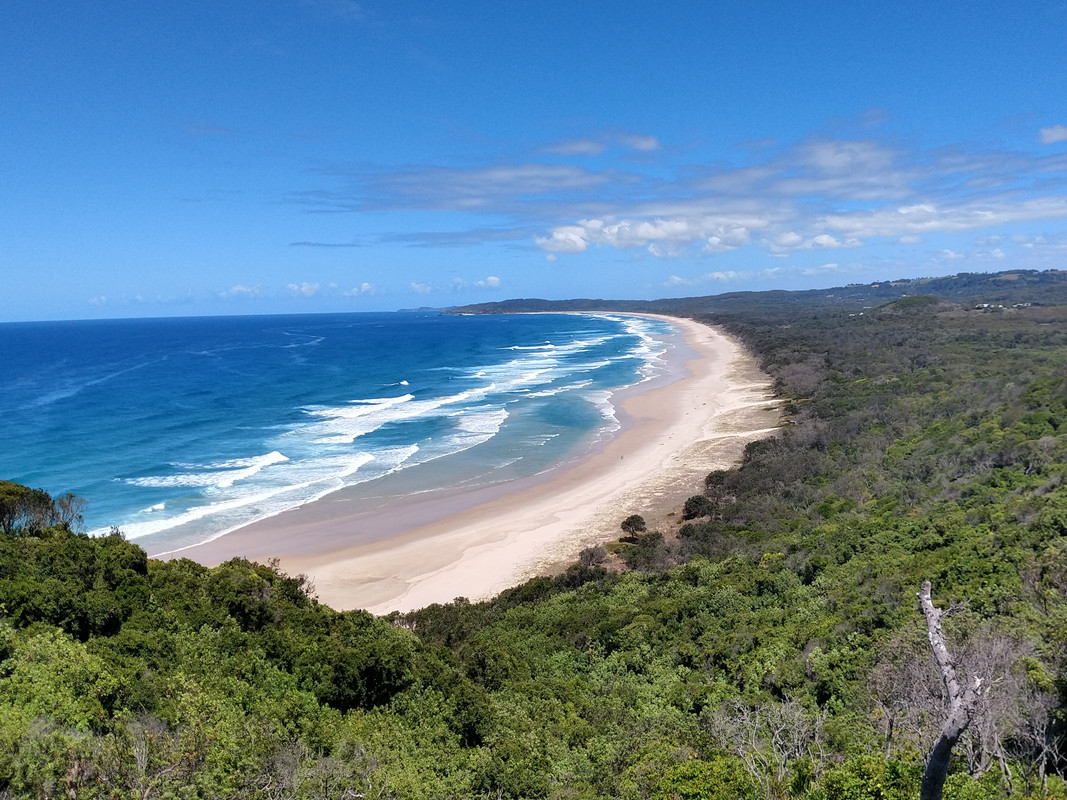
(178, 430)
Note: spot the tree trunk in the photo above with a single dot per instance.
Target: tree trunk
(961, 701)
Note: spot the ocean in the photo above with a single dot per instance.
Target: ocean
(180, 430)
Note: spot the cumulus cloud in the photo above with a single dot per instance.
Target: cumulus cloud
(363, 288)
(727, 239)
(1053, 134)
(565, 239)
(660, 235)
(420, 288)
(302, 289)
(792, 241)
(490, 282)
(825, 241)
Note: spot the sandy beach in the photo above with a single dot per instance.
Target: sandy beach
(474, 543)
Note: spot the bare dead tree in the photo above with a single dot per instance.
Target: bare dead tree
(1000, 713)
(1038, 745)
(768, 737)
(1013, 727)
(961, 700)
(905, 689)
(70, 510)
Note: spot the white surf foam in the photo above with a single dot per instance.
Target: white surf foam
(222, 474)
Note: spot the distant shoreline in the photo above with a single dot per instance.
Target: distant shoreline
(477, 542)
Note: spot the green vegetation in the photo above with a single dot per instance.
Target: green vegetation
(772, 648)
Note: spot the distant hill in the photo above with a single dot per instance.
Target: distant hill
(966, 289)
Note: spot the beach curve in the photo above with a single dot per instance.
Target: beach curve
(479, 542)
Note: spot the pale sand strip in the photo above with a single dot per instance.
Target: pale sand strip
(476, 544)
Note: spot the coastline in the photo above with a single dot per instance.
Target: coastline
(477, 542)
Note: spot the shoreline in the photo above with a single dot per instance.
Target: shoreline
(476, 542)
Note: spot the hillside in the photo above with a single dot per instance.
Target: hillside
(771, 646)
(967, 289)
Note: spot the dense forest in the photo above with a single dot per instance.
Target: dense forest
(771, 646)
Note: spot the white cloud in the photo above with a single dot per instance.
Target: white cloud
(1054, 134)
(825, 241)
(819, 194)
(241, 290)
(490, 282)
(645, 144)
(928, 217)
(421, 288)
(951, 255)
(566, 239)
(829, 156)
(664, 250)
(827, 194)
(356, 291)
(663, 236)
(724, 240)
(302, 289)
(788, 239)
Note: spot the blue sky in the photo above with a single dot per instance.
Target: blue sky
(328, 155)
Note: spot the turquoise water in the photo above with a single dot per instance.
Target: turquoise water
(179, 430)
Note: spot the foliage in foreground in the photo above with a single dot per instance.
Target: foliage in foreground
(771, 649)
